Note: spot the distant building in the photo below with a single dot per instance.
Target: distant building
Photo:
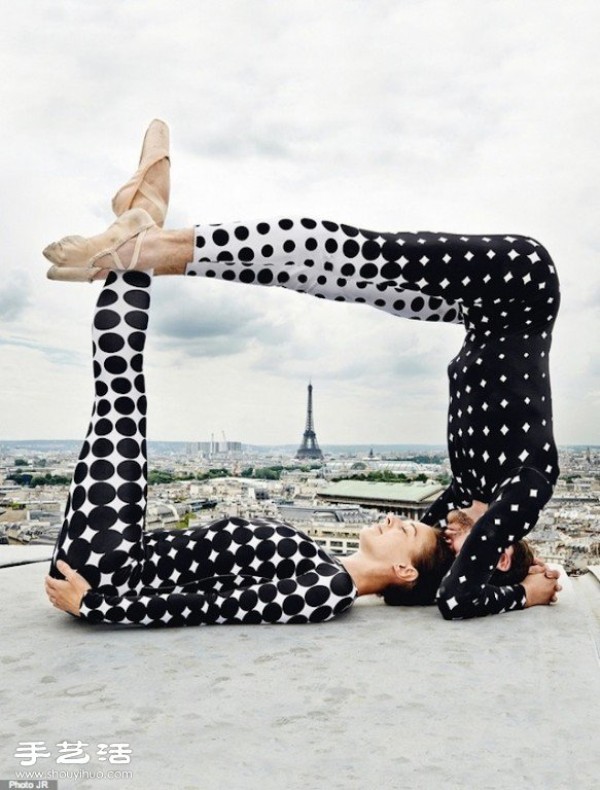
(405, 499)
(296, 512)
(213, 448)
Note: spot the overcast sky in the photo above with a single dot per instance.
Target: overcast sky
(392, 115)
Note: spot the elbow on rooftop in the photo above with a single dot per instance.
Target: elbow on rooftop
(448, 612)
(447, 603)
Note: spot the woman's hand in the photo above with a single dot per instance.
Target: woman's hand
(541, 587)
(66, 595)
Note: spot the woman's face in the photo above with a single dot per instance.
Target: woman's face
(396, 540)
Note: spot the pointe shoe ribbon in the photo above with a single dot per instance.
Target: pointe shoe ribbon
(78, 252)
(155, 148)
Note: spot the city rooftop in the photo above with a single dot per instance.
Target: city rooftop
(382, 697)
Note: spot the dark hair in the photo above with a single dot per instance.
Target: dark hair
(522, 559)
(432, 566)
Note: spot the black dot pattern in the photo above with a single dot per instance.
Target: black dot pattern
(102, 532)
(504, 289)
(231, 571)
(325, 259)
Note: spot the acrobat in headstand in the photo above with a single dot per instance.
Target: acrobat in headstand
(503, 288)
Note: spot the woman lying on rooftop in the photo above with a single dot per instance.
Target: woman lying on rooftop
(263, 570)
(231, 571)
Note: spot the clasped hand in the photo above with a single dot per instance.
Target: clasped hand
(66, 595)
(541, 584)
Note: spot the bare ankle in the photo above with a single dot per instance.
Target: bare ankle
(169, 251)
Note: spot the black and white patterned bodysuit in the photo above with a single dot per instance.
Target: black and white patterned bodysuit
(231, 571)
(505, 291)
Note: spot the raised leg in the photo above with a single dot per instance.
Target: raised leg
(489, 283)
(325, 259)
(102, 535)
(423, 276)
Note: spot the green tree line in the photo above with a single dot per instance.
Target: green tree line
(157, 476)
(32, 481)
(274, 472)
(384, 476)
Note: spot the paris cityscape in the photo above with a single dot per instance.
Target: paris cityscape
(330, 493)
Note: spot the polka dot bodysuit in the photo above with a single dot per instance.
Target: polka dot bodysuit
(230, 571)
(504, 290)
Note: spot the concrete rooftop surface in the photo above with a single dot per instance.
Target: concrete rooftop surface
(379, 698)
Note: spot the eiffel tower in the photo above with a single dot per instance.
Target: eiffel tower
(309, 447)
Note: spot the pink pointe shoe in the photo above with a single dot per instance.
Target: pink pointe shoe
(81, 259)
(68, 274)
(155, 149)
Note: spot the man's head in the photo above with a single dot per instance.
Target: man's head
(513, 564)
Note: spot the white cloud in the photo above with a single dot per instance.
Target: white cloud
(468, 116)
(14, 296)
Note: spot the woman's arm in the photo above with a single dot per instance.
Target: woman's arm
(311, 597)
